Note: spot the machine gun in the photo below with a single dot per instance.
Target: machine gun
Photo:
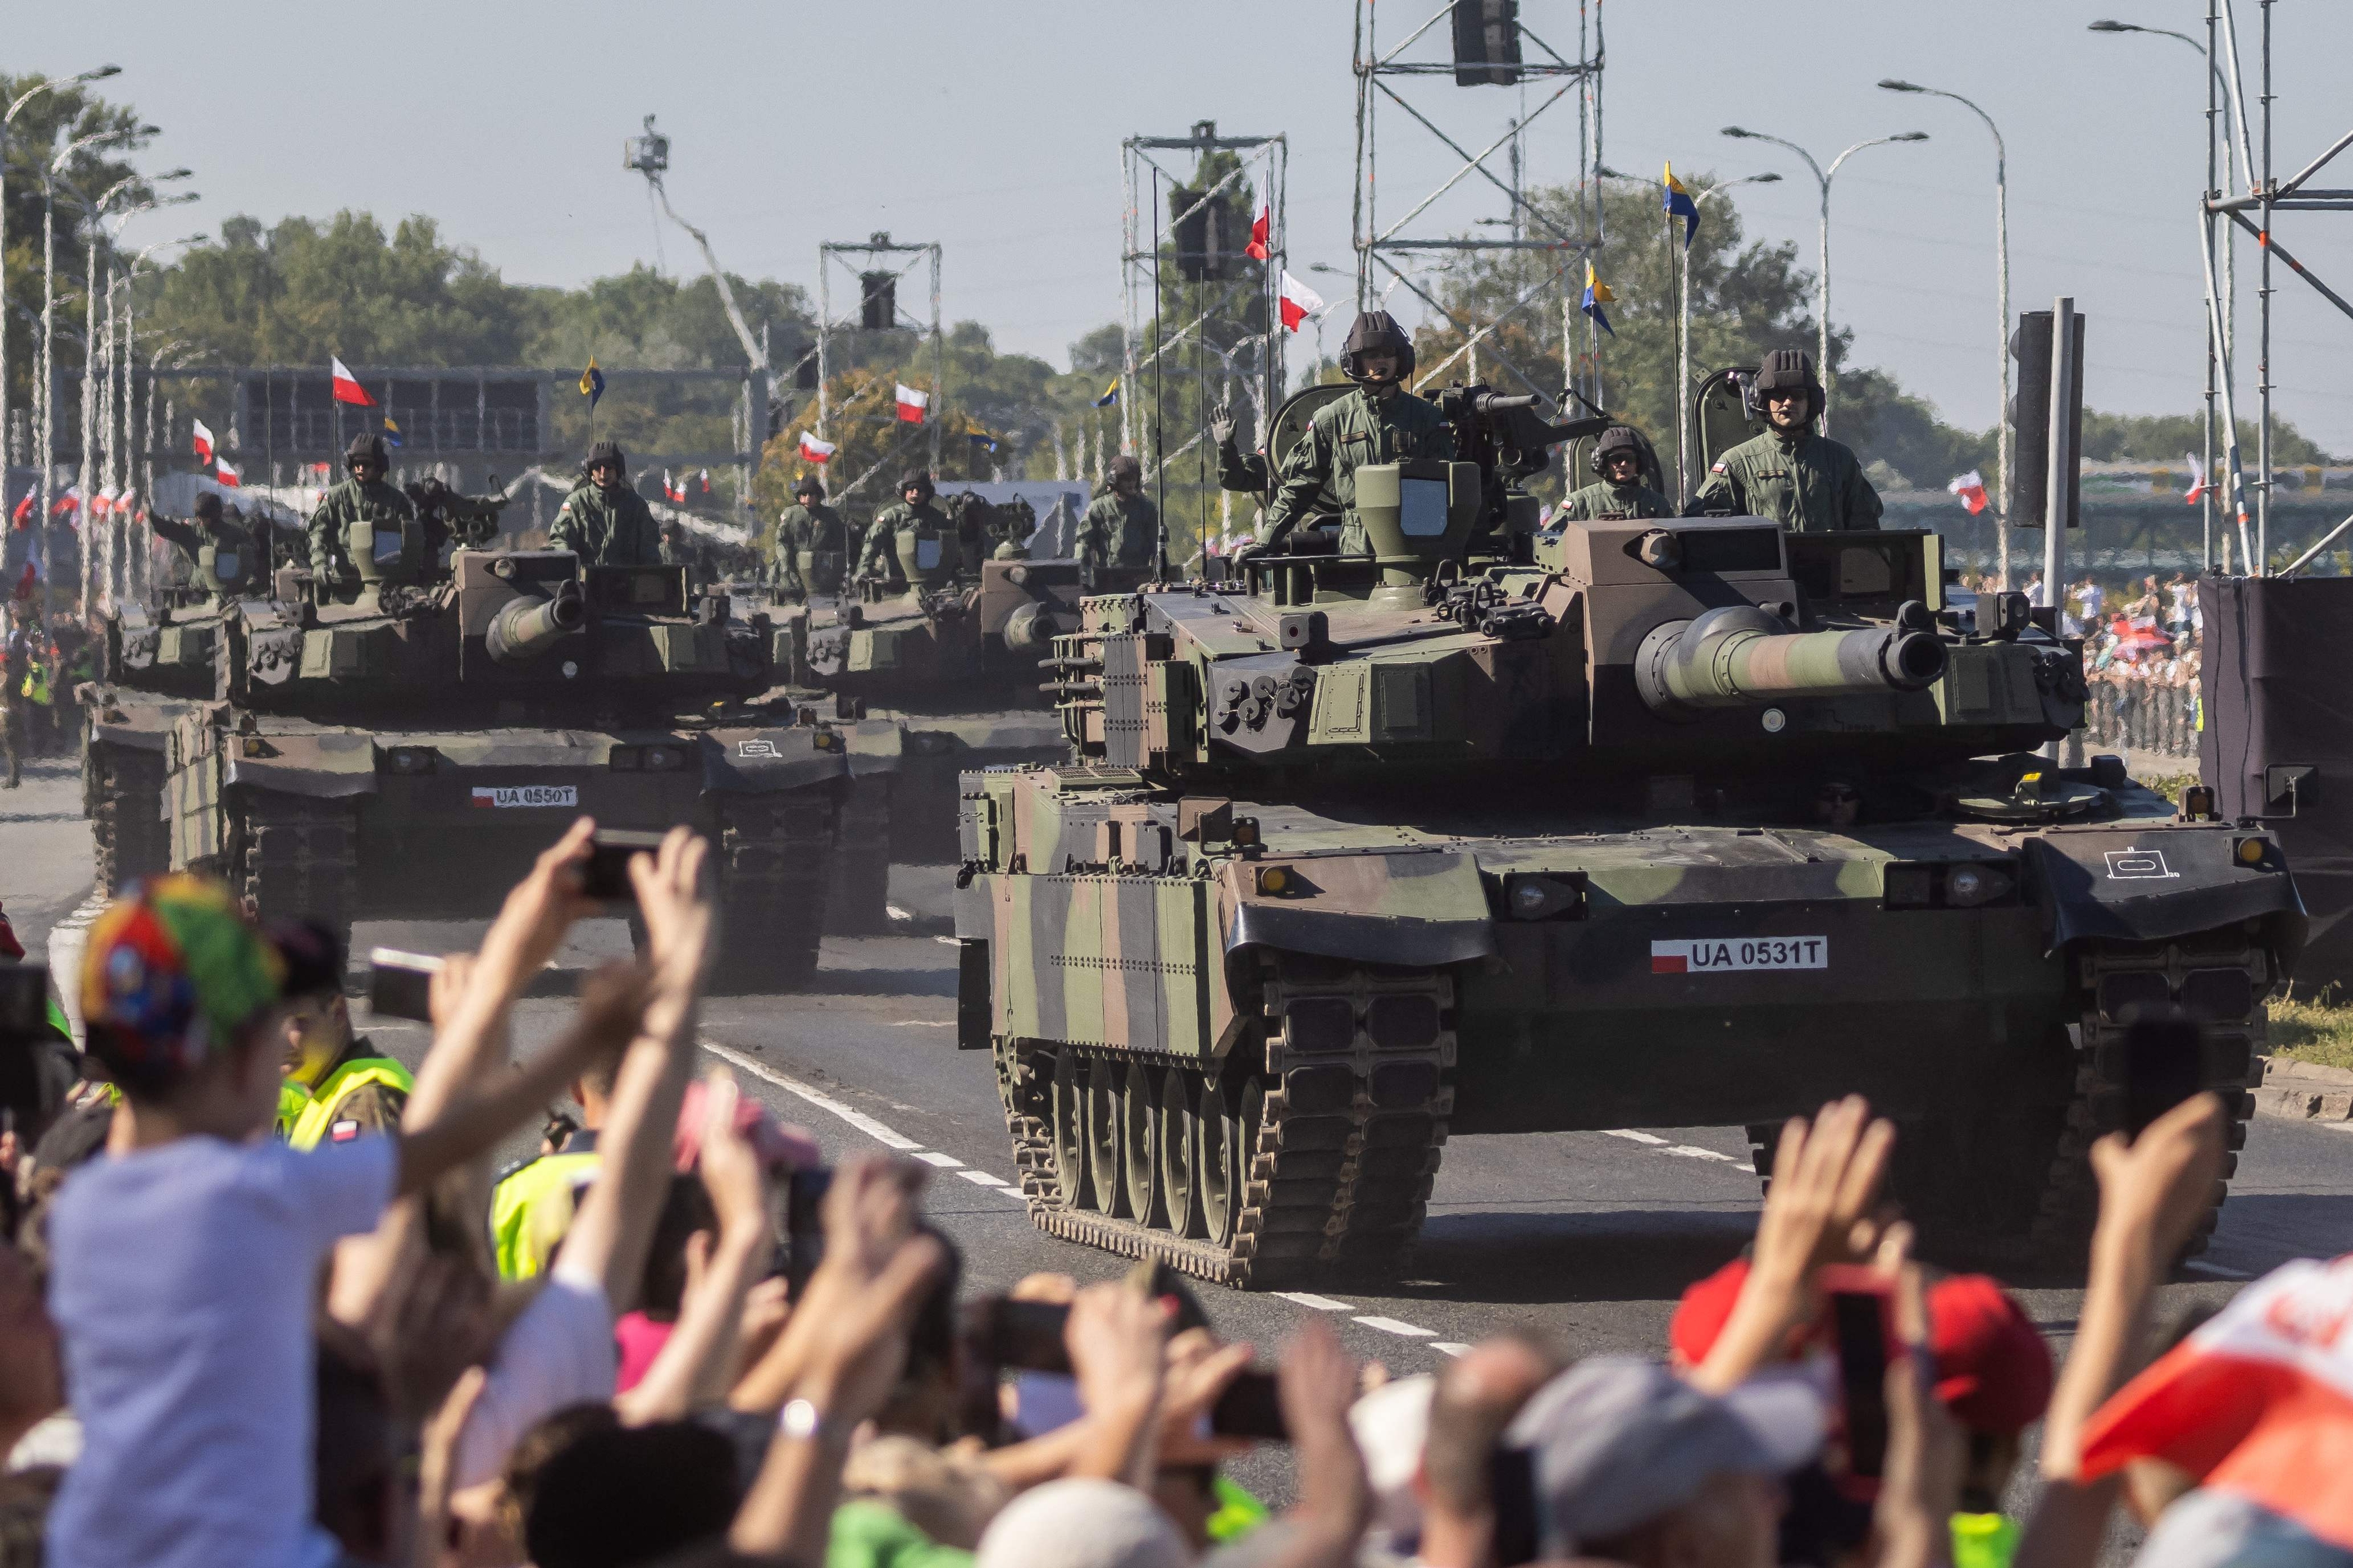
(448, 515)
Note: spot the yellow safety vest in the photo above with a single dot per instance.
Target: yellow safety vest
(319, 1115)
(532, 1209)
(1983, 1541)
(291, 1099)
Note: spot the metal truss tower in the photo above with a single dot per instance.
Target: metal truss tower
(879, 254)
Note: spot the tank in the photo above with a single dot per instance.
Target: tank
(1619, 823)
(406, 751)
(950, 653)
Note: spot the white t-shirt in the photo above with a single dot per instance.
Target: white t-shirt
(558, 1351)
(183, 1278)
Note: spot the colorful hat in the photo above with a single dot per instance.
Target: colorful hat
(172, 970)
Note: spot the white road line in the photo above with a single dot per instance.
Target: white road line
(1693, 1152)
(2216, 1269)
(1391, 1326)
(923, 1023)
(945, 940)
(1449, 1348)
(1633, 1137)
(1320, 1303)
(944, 1161)
(887, 1137)
(982, 1178)
(896, 913)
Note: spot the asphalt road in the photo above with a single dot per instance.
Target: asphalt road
(1589, 1237)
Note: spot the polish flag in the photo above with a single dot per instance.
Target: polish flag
(1298, 302)
(814, 451)
(2258, 1402)
(68, 502)
(912, 402)
(347, 387)
(671, 492)
(2199, 483)
(1970, 488)
(27, 579)
(1261, 235)
(227, 475)
(204, 438)
(105, 506)
(23, 516)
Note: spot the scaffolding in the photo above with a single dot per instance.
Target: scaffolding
(879, 255)
(1223, 294)
(1391, 255)
(2233, 144)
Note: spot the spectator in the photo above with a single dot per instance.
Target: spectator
(532, 1204)
(1478, 1395)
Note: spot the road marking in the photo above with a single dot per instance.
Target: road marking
(2216, 1269)
(923, 1023)
(1450, 1347)
(982, 1178)
(1633, 1137)
(1693, 1152)
(1321, 1303)
(944, 1161)
(888, 1137)
(896, 913)
(947, 941)
(1391, 1326)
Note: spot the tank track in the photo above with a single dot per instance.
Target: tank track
(128, 837)
(293, 856)
(857, 899)
(2220, 977)
(774, 851)
(1341, 1111)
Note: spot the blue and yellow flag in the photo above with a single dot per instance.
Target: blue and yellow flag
(1110, 396)
(592, 383)
(1598, 294)
(982, 439)
(392, 432)
(1679, 204)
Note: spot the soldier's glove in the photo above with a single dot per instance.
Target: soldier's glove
(1221, 423)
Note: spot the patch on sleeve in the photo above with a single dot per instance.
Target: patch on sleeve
(343, 1132)
(1716, 467)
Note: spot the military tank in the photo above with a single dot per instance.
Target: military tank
(405, 749)
(1628, 822)
(947, 657)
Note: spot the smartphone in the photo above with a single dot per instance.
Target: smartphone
(803, 1244)
(24, 1001)
(606, 874)
(1250, 1407)
(2163, 1063)
(1861, 1327)
(400, 985)
(1027, 1336)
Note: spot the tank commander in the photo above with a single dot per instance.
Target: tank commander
(1618, 490)
(913, 511)
(365, 496)
(222, 555)
(1120, 528)
(603, 520)
(1805, 482)
(1379, 421)
(812, 530)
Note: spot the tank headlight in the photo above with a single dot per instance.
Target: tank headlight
(1274, 880)
(2251, 852)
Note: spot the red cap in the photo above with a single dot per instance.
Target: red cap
(1705, 1308)
(9, 946)
(1993, 1370)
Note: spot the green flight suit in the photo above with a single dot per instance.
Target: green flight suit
(350, 502)
(1607, 500)
(1119, 531)
(607, 528)
(1320, 473)
(1807, 483)
(879, 556)
(816, 530)
(229, 541)
(1241, 470)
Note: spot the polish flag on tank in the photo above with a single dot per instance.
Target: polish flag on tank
(2199, 483)
(912, 402)
(347, 387)
(227, 475)
(2258, 1402)
(1970, 488)
(1298, 302)
(1260, 244)
(814, 451)
(203, 436)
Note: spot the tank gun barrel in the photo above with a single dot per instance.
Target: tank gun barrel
(1741, 657)
(529, 627)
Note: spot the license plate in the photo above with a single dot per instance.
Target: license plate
(1708, 955)
(502, 797)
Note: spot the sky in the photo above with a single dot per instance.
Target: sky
(995, 130)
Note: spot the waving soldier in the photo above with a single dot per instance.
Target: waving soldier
(1380, 422)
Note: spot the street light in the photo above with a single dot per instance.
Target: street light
(2004, 432)
(1822, 282)
(8, 120)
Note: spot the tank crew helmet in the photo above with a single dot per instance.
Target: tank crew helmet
(208, 507)
(1375, 332)
(1125, 469)
(606, 452)
(366, 449)
(1786, 370)
(1618, 438)
(808, 487)
(916, 479)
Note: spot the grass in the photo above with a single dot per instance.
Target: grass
(2318, 1028)
(2170, 785)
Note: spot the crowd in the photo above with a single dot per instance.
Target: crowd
(2141, 657)
(218, 1346)
(38, 671)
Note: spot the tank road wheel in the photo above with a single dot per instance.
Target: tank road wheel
(772, 857)
(294, 856)
(1218, 1161)
(858, 903)
(1070, 1185)
(1099, 1103)
(127, 830)
(1139, 1141)
(1173, 1137)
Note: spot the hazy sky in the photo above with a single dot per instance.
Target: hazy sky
(995, 130)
